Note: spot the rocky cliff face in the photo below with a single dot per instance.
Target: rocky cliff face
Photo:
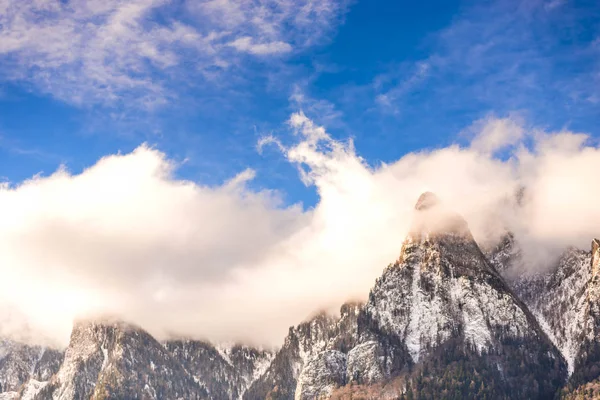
(20, 363)
(565, 300)
(117, 361)
(587, 361)
(312, 357)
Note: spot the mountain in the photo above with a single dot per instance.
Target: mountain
(20, 363)
(439, 320)
(116, 361)
(226, 372)
(312, 357)
(565, 300)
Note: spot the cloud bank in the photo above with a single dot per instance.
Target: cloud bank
(126, 237)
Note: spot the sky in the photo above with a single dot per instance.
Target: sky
(223, 169)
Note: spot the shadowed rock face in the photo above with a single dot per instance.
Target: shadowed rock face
(117, 361)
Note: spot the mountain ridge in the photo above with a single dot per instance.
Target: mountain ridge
(444, 320)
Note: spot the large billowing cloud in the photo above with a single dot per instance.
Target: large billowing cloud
(127, 238)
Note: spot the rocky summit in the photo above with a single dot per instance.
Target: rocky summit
(444, 321)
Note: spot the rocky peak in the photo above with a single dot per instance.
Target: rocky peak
(350, 308)
(439, 305)
(432, 220)
(440, 238)
(114, 359)
(443, 293)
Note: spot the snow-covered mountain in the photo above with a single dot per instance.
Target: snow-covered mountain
(313, 357)
(444, 320)
(439, 309)
(117, 360)
(443, 296)
(225, 371)
(565, 299)
(21, 363)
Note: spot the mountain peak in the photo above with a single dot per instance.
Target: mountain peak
(432, 219)
(426, 201)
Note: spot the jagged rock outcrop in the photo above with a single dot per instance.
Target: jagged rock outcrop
(587, 361)
(564, 299)
(322, 374)
(116, 361)
(20, 362)
(304, 344)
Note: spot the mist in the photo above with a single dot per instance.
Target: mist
(126, 238)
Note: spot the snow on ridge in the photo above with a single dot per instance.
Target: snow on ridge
(223, 349)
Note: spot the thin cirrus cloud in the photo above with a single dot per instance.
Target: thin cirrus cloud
(103, 51)
(247, 44)
(506, 55)
(127, 238)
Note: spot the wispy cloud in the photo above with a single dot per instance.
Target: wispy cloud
(321, 110)
(247, 44)
(504, 55)
(115, 50)
(398, 85)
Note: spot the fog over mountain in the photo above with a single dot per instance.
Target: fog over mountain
(127, 238)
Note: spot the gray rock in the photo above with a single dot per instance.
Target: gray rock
(323, 373)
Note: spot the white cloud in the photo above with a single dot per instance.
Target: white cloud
(127, 238)
(99, 51)
(246, 44)
(495, 134)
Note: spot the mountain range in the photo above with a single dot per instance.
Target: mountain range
(446, 320)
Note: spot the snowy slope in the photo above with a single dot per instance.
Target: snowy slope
(564, 298)
(20, 362)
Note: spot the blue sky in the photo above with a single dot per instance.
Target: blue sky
(203, 81)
